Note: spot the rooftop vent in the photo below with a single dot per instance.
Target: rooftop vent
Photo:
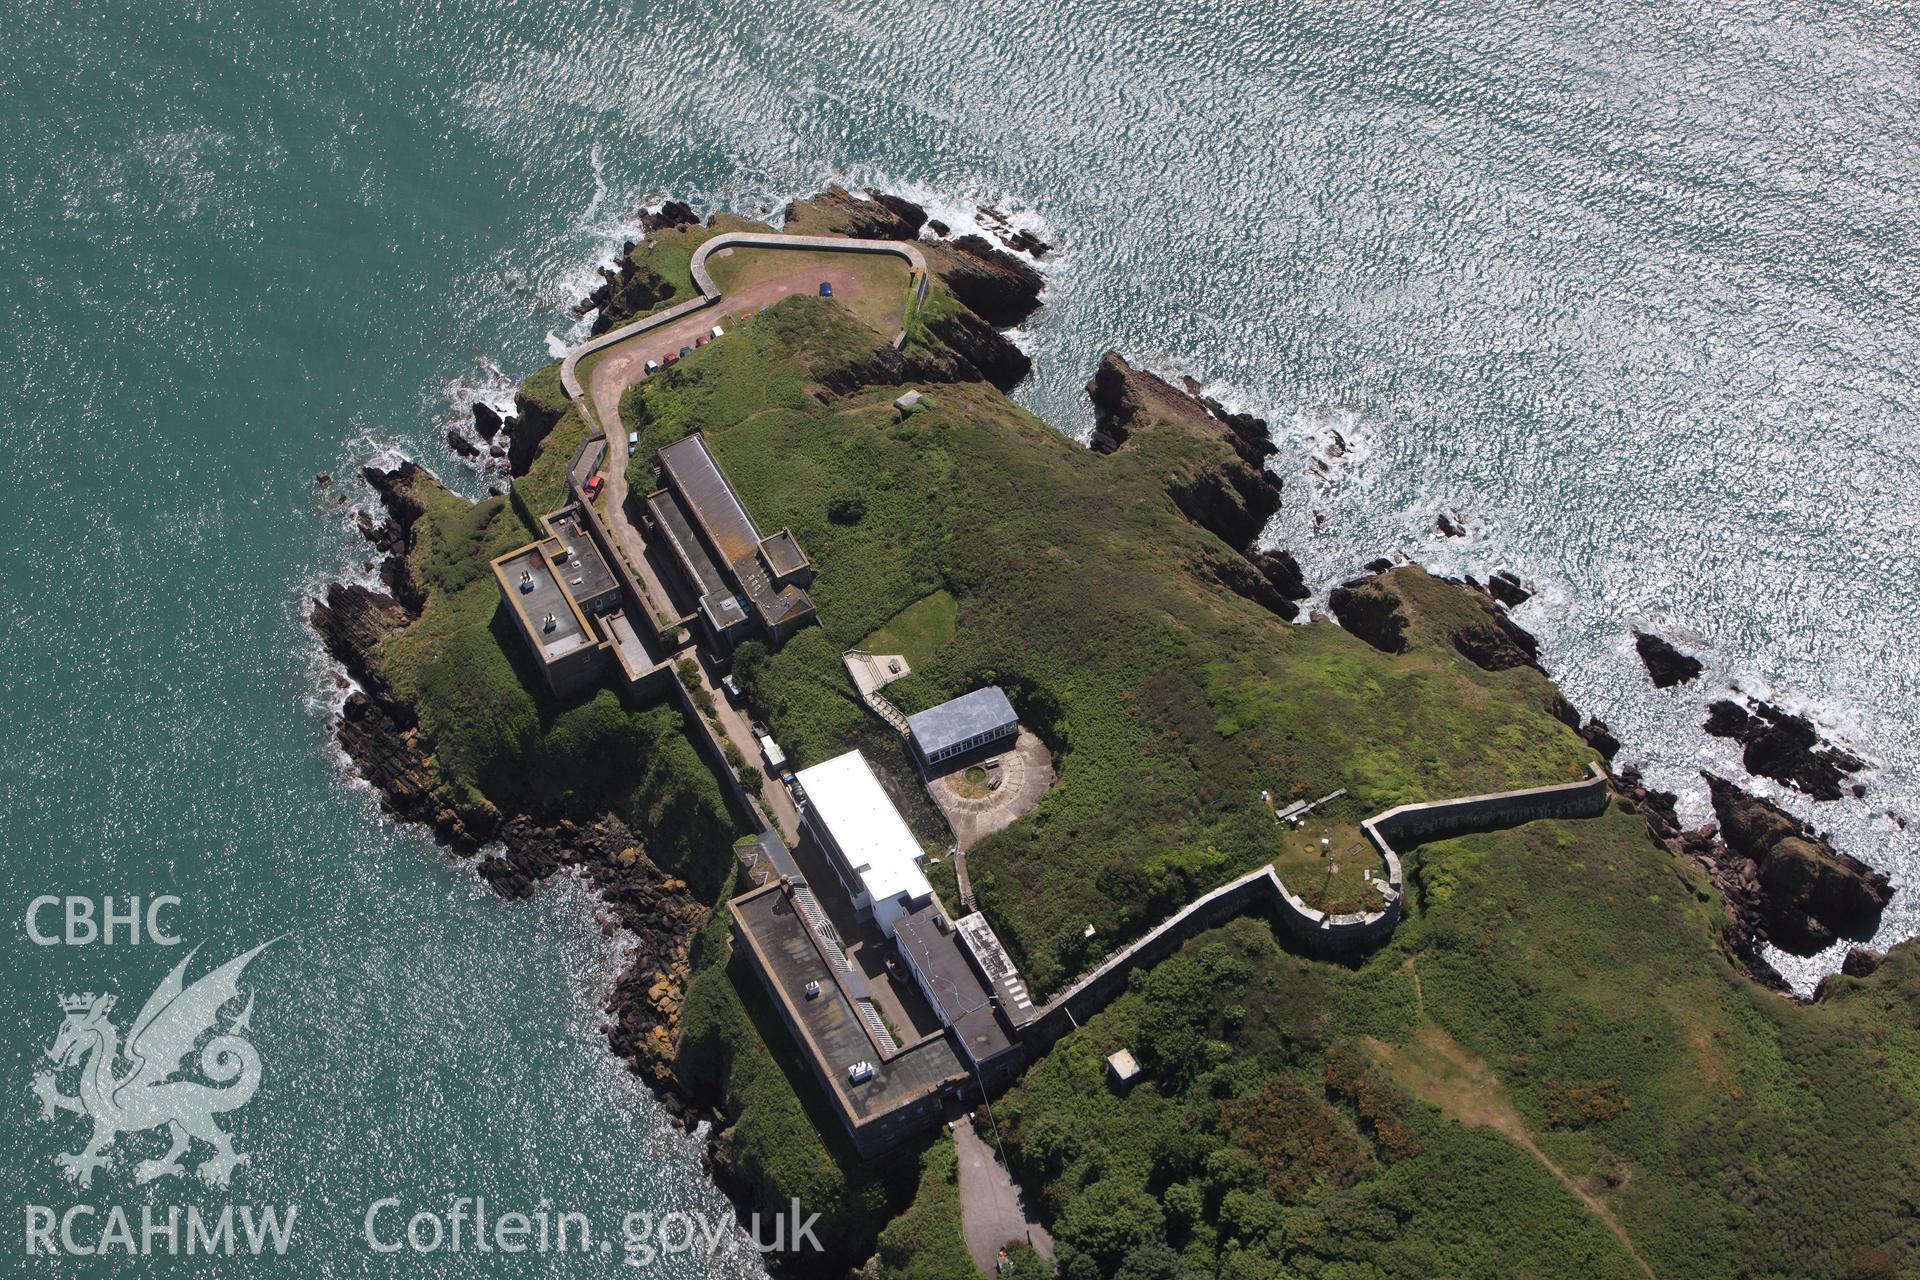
(526, 581)
(549, 622)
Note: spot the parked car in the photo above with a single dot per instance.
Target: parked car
(860, 1072)
(633, 439)
(718, 332)
(653, 366)
(702, 340)
(826, 288)
(732, 687)
(672, 358)
(686, 351)
(593, 485)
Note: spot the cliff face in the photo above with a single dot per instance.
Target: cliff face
(1230, 493)
(381, 735)
(1376, 609)
(1811, 893)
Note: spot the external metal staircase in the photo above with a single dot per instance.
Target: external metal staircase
(816, 918)
(870, 688)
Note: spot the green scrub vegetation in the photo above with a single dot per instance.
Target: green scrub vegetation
(1551, 1069)
(497, 737)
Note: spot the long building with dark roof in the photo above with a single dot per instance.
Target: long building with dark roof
(741, 581)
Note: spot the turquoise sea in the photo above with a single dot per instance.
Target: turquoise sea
(1632, 288)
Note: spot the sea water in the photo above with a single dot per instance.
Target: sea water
(1629, 290)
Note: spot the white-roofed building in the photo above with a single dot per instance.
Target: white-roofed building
(869, 843)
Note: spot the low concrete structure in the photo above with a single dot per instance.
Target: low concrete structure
(566, 604)
(1122, 1070)
(966, 724)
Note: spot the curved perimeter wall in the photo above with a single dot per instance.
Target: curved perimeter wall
(710, 293)
(1406, 824)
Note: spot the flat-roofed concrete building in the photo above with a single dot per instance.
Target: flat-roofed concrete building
(883, 1092)
(968, 723)
(912, 1088)
(567, 605)
(869, 844)
(740, 580)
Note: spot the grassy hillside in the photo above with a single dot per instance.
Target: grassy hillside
(496, 736)
(1551, 1070)
(1172, 704)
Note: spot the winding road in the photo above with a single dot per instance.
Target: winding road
(623, 355)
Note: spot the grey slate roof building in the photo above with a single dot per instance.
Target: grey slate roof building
(739, 578)
(967, 723)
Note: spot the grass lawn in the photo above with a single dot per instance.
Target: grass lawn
(878, 298)
(918, 631)
(1335, 881)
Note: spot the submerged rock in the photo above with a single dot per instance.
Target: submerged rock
(1667, 665)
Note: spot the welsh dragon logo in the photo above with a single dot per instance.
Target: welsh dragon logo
(130, 1090)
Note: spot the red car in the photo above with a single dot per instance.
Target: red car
(593, 486)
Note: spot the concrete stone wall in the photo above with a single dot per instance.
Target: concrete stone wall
(1416, 823)
(1329, 934)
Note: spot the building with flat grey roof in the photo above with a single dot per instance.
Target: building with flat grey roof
(965, 724)
(567, 605)
(911, 1089)
(826, 1001)
(740, 580)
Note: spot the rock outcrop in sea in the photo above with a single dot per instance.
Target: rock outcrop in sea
(1667, 665)
(1786, 748)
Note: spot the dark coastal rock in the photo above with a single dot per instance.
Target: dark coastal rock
(1000, 288)
(1862, 962)
(1811, 892)
(1596, 735)
(487, 420)
(529, 427)
(1733, 875)
(1125, 397)
(458, 442)
(837, 211)
(626, 293)
(1508, 589)
(987, 351)
(1496, 643)
(938, 227)
(1282, 572)
(671, 214)
(1378, 566)
(1667, 665)
(1449, 525)
(1786, 748)
(1371, 610)
(1230, 494)
(910, 215)
(321, 479)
